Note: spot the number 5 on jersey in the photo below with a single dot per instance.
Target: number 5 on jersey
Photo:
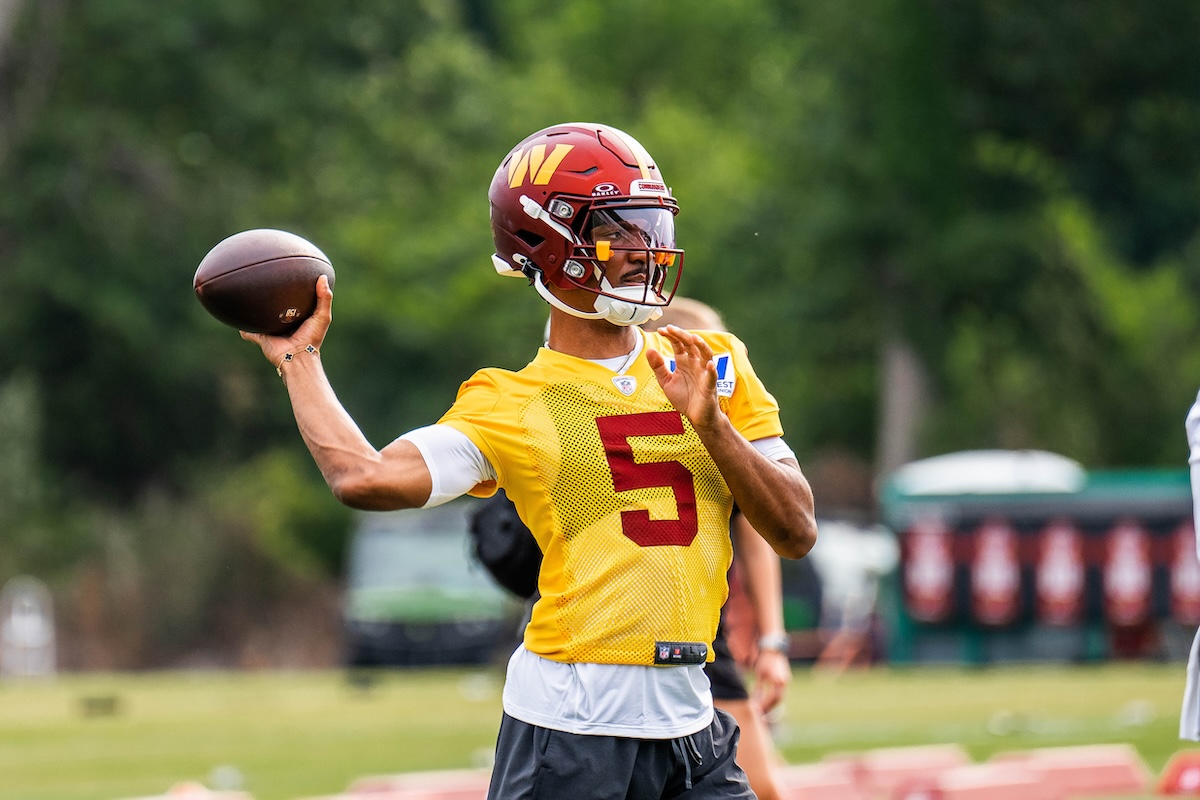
(628, 474)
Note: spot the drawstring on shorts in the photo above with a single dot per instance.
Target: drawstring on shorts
(687, 751)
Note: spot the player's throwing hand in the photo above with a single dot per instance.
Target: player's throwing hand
(310, 333)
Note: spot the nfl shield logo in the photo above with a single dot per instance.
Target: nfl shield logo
(625, 384)
(664, 652)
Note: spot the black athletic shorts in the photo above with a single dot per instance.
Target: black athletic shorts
(535, 763)
(723, 674)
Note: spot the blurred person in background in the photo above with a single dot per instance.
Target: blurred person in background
(623, 451)
(759, 579)
(851, 562)
(1189, 717)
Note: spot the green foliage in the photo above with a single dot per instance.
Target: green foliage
(20, 459)
(278, 502)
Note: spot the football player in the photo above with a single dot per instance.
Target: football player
(623, 452)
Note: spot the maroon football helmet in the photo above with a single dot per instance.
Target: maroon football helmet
(568, 198)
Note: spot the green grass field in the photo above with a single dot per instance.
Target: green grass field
(296, 735)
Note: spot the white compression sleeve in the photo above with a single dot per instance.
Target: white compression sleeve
(774, 448)
(455, 463)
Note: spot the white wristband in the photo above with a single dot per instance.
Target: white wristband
(775, 641)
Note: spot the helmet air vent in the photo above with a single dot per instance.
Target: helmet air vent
(530, 238)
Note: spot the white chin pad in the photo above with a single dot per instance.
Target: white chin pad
(626, 312)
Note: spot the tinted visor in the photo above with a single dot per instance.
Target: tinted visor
(643, 233)
(632, 228)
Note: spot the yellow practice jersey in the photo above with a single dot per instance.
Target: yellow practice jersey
(630, 511)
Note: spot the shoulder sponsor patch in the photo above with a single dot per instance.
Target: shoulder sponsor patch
(726, 376)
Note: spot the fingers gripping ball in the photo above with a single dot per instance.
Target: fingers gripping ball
(262, 280)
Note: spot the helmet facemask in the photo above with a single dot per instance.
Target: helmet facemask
(637, 240)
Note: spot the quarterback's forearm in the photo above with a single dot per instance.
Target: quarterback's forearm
(359, 475)
(774, 495)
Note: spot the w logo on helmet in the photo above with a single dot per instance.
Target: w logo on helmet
(534, 164)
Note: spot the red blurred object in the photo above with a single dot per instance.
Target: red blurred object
(929, 570)
(1061, 574)
(1083, 771)
(995, 574)
(1181, 775)
(1127, 574)
(1185, 575)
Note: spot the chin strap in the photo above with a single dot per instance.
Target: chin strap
(625, 312)
(549, 297)
(619, 312)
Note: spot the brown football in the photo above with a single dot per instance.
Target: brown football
(262, 280)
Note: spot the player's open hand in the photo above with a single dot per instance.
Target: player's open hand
(311, 331)
(772, 673)
(692, 387)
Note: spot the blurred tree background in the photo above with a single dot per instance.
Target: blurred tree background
(938, 225)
